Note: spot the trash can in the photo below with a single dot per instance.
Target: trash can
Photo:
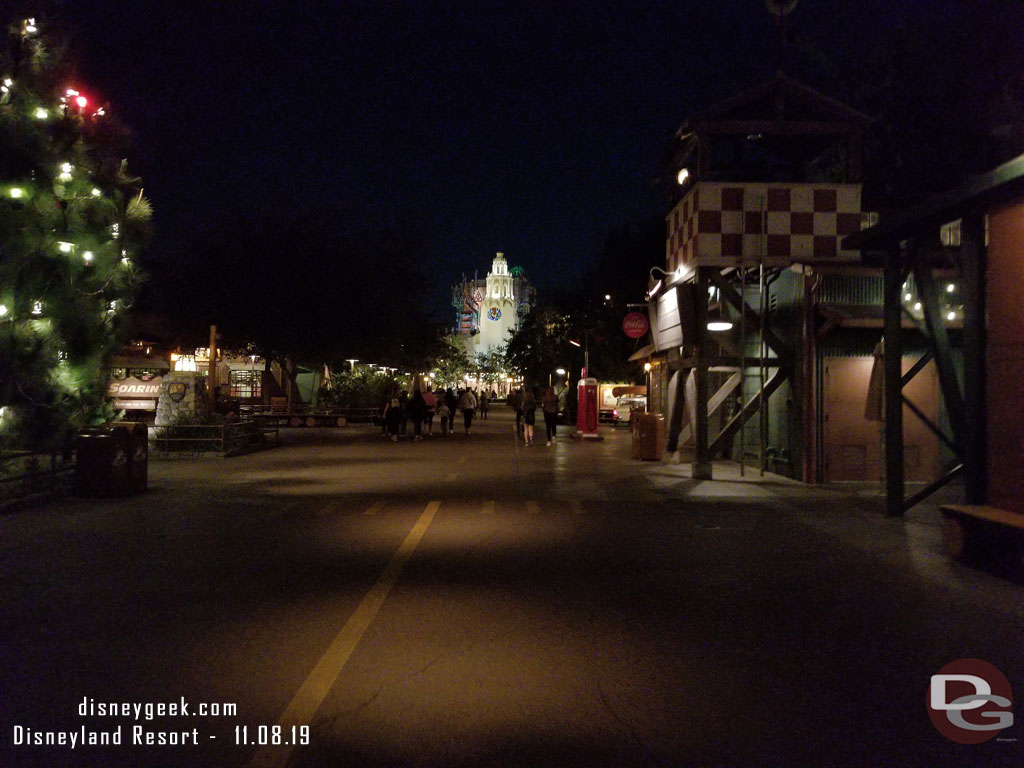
(650, 437)
(102, 462)
(137, 433)
(634, 433)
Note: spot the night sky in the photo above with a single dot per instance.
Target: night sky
(532, 127)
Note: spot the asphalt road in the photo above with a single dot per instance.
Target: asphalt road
(469, 601)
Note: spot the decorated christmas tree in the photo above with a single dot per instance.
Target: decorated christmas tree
(71, 222)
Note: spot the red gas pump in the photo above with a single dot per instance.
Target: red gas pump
(586, 413)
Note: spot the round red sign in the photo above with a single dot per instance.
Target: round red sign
(635, 325)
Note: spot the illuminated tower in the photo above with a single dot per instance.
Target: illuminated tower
(498, 312)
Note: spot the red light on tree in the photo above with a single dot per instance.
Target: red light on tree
(81, 101)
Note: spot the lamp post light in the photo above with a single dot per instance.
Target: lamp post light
(352, 362)
(647, 374)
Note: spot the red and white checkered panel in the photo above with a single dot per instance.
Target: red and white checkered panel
(719, 224)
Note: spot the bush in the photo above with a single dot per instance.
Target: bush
(362, 388)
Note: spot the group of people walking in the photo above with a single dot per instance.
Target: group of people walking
(421, 408)
(524, 402)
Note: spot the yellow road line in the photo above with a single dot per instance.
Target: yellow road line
(532, 508)
(488, 508)
(374, 508)
(309, 697)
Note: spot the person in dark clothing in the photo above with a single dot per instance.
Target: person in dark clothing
(550, 407)
(403, 398)
(394, 416)
(529, 407)
(451, 400)
(516, 401)
(417, 413)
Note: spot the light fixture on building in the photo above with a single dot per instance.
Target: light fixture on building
(647, 367)
(950, 288)
(682, 176)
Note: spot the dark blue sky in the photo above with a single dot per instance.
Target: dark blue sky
(529, 126)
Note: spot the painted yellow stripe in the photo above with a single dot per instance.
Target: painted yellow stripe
(488, 508)
(532, 508)
(303, 707)
(374, 508)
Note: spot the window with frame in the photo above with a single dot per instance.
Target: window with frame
(246, 384)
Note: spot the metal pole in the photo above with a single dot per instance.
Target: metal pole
(762, 421)
(743, 358)
(702, 467)
(212, 394)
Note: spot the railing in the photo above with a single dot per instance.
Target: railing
(303, 415)
(228, 439)
(23, 473)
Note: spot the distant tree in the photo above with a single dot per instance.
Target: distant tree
(72, 222)
(452, 363)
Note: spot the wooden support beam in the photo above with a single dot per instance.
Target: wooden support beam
(893, 301)
(972, 285)
(931, 425)
(715, 403)
(928, 490)
(732, 296)
(749, 409)
(702, 460)
(917, 367)
(948, 380)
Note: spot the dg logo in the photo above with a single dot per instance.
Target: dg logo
(970, 701)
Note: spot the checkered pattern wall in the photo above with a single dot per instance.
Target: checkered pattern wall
(717, 224)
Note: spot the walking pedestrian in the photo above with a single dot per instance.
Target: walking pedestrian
(445, 414)
(452, 401)
(431, 400)
(385, 403)
(515, 399)
(529, 415)
(550, 406)
(467, 404)
(485, 403)
(403, 398)
(394, 416)
(418, 414)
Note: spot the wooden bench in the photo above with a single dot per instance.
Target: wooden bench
(976, 532)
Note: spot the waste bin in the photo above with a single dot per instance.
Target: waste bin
(634, 433)
(649, 437)
(102, 462)
(137, 433)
